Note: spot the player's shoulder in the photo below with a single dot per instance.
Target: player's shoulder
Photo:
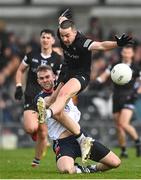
(33, 53)
(41, 94)
(82, 40)
(57, 57)
(80, 36)
(55, 54)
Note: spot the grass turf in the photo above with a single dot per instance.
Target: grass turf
(15, 164)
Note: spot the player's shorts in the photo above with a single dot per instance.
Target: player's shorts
(29, 103)
(122, 102)
(82, 77)
(69, 147)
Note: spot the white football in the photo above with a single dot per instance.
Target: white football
(121, 74)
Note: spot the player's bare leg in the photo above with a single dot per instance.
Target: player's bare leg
(124, 119)
(31, 127)
(71, 88)
(111, 160)
(121, 136)
(66, 164)
(31, 123)
(41, 144)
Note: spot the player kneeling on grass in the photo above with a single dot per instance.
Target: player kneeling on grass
(65, 144)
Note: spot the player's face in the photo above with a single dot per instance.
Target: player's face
(127, 53)
(67, 35)
(46, 79)
(46, 40)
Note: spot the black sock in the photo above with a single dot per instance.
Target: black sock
(77, 136)
(36, 161)
(123, 149)
(80, 136)
(137, 141)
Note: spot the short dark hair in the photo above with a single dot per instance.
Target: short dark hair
(67, 24)
(48, 31)
(129, 46)
(44, 68)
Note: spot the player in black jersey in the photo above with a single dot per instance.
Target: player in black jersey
(31, 61)
(75, 73)
(124, 97)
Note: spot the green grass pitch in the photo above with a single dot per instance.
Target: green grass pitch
(15, 164)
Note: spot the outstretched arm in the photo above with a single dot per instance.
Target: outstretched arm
(107, 45)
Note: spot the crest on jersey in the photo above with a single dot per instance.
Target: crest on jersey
(43, 62)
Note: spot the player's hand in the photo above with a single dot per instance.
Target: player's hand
(67, 13)
(18, 93)
(123, 40)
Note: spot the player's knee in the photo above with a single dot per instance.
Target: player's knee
(124, 126)
(119, 126)
(30, 130)
(116, 162)
(67, 169)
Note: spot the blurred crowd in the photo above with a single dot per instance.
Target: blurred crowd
(13, 48)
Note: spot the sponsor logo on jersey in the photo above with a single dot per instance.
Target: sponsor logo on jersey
(35, 60)
(83, 78)
(71, 55)
(43, 62)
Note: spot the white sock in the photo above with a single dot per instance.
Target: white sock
(48, 113)
(77, 170)
(94, 167)
(79, 139)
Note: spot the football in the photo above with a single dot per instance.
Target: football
(121, 74)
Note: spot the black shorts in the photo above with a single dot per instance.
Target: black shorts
(29, 103)
(70, 147)
(82, 77)
(122, 102)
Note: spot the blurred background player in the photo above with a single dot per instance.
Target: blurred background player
(124, 97)
(65, 145)
(45, 55)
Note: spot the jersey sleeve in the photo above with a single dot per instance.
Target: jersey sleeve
(84, 43)
(27, 59)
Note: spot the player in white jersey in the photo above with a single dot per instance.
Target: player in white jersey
(55, 129)
(65, 144)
